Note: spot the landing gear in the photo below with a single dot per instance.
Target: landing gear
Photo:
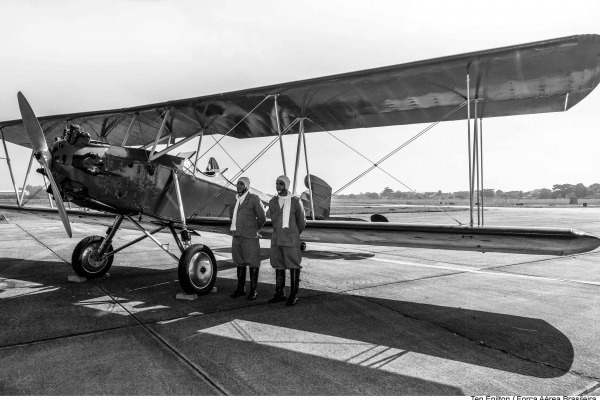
(197, 269)
(86, 260)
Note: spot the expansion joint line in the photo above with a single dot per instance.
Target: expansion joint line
(190, 364)
(157, 337)
(36, 239)
(197, 369)
(590, 390)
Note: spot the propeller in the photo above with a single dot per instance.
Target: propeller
(42, 154)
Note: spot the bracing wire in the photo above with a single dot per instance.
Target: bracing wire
(383, 170)
(235, 126)
(223, 148)
(403, 145)
(246, 167)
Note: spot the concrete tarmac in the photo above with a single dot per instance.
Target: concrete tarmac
(370, 320)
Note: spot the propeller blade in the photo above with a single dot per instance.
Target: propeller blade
(38, 143)
(59, 203)
(32, 128)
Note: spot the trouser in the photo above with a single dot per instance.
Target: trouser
(245, 251)
(286, 257)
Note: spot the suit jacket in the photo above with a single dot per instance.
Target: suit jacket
(289, 236)
(250, 217)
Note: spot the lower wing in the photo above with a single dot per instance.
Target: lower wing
(502, 239)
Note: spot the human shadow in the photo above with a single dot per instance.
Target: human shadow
(311, 254)
(39, 309)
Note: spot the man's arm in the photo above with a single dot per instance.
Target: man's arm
(260, 212)
(269, 211)
(300, 218)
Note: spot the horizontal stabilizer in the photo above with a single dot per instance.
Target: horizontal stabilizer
(378, 218)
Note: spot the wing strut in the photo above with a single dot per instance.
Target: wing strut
(175, 145)
(300, 131)
(10, 169)
(280, 137)
(302, 140)
(475, 153)
(185, 235)
(244, 169)
(129, 129)
(159, 134)
(26, 177)
(46, 186)
(481, 161)
(198, 151)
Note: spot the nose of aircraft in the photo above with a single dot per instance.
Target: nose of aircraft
(34, 132)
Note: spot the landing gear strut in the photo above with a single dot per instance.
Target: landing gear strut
(86, 260)
(197, 269)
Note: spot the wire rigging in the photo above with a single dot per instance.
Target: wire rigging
(248, 165)
(383, 170)
(403, 145)
(235, 126)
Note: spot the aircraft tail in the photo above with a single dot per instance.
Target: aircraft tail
(321, 193)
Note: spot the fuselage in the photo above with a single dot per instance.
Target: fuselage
(124, 180)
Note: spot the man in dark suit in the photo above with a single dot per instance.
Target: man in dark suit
(247, 217)
(287, 215)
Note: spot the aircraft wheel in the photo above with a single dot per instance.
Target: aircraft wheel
(84, 259)
(302, 246)
(197, 269)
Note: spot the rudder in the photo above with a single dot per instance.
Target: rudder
(321, 193)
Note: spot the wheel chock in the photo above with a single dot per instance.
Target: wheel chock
(76, 278)
(186, 296)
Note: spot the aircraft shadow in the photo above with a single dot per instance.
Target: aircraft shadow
(520, 345)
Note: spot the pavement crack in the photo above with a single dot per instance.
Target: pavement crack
(590, 390)
(197, 369)
(62, 337)
(40, 242)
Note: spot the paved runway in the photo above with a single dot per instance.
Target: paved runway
(370, 320)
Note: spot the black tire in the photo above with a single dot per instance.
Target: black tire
(83, 261)
(197, 269)
(302, 246)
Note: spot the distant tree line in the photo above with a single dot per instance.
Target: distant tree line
(30, 192)
(558, 191)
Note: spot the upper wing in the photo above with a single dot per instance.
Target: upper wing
(547, 76)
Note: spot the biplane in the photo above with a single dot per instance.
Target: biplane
(113, 165)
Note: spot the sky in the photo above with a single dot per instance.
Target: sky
(73, 56)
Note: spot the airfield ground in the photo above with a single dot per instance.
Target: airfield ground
(370, 320)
